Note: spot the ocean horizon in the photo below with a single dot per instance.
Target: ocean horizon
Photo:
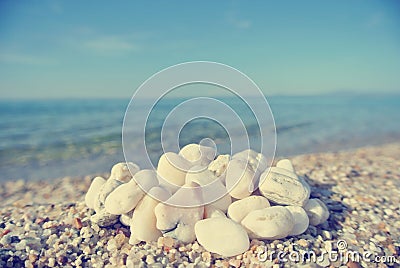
(45, 139)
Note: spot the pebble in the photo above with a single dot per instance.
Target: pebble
(222, 236)
(93, 191)
(172, 169)
(126, 196)
(317, 211)
(219, 165)
(269, 223)
(284, 187)
(240, 178)
(178, 222)
(143, 223)
(301, 220)
(241, 208)
(198, 155)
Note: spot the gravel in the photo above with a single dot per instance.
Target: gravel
(46, 223)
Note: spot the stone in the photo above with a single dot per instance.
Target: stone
(198, 155)
(104, 219)
(284, 187)
(123, 171)
(285, 164)
(172, 169)
(240, 178)
(269, 223)
(178, 222)
(219, 165)
(212, 212)
(241, 208)
(301, 220)
(317, 211)
(143, 222)
(213, 190)
(222, 236)
(93, 191)
(126, 196)
(256, 160)
(125, 219)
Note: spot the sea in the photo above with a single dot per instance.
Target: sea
(47, 139)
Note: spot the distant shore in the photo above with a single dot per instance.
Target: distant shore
(46, 223)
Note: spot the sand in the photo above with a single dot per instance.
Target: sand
(46, 223)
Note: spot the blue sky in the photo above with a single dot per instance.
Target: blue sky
(88, 49)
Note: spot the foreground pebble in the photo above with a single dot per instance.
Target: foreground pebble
(284, 187)
(178, 222)
(93, 191)
(301, 220)
(317, 211)
(222, 235)
(269, 223)
(241, 208)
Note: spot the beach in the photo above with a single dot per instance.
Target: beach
(45, 223)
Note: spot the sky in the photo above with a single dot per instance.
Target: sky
(103, 49)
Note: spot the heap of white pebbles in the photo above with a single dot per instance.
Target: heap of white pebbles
(279, 208)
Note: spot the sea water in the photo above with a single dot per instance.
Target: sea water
(44, 139)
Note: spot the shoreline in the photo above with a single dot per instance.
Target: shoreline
(360, 187)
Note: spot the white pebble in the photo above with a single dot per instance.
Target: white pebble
(241, 208)
(93, 191)
(240, 178)
(172, 169)
(198, 154)
(317, 211)
(301, 220)
(126, 196)
(222, 235)
(178, 222)
(143, 223)
(284, 187)
(269, 223)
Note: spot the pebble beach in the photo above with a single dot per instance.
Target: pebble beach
(47, 224)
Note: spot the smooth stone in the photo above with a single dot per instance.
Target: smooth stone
(104, 219)
(301, 220)
(213, 190)
(126, 196)
(317, 211)
(282, 189)
(110, 185)
(222, 236)
(219, 165)
(269, 223)
(123, 172)
(256, 160)
(241, 208)
(240, 178)
(198, 155)
(285, 164)
(143, 223)
(200, 175)
(125, 219)
(172, 169)
(178, 222)
(212, 212)
(222, 203)
(93, 191)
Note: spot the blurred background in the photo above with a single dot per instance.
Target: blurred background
(330, 71)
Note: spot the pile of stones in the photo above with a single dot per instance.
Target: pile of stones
(222, 202)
